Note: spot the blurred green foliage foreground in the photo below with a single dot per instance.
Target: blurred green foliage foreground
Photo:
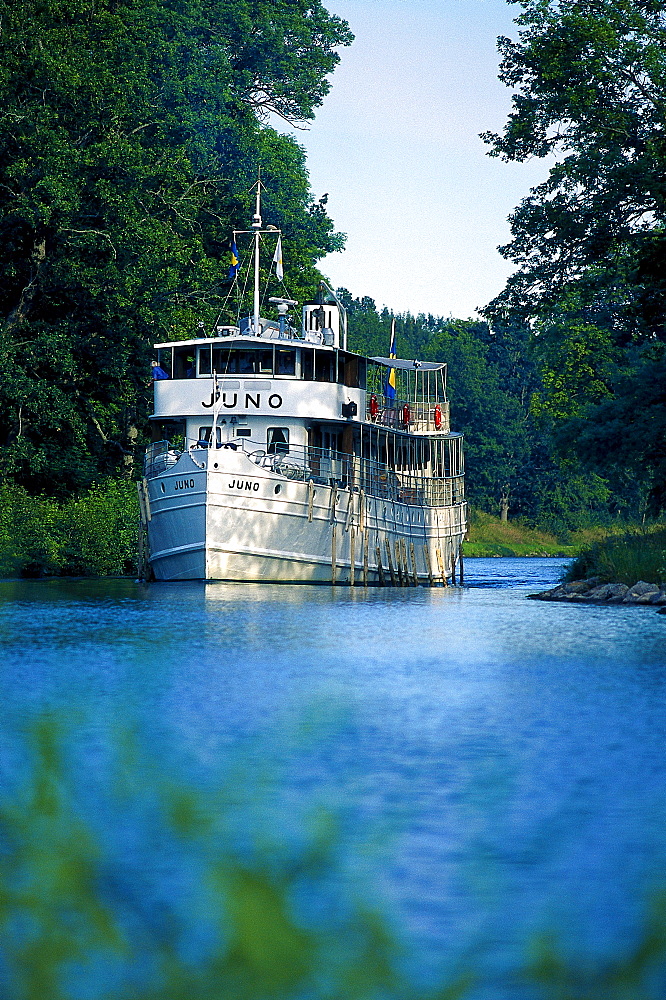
(215, 911)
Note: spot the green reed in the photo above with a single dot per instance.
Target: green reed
(626, 558)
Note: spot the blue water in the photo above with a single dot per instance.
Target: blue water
(497, 764)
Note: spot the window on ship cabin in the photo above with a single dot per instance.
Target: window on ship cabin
(245, 362)
(165, 360)
(285, 362)
(277, 440)
(221, 360)
(307, 364)
(204, 361)
(348, 370)
(264, 362)
(183, 362)
(325, 366)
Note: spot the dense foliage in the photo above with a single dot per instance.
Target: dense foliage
(130, 134)
(494, 385)
(589, 86)
(624, 558)
(94, 534)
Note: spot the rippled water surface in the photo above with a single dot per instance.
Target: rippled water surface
(507, 755)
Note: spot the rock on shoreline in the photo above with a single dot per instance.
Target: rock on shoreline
(591, 591)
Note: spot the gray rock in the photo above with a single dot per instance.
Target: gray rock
(658, 598)
(640, 592)
(603, 592)
(641, 588)
(577, 587)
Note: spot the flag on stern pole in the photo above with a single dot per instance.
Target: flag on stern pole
(277, 260)
(235, 263)
(390, 381)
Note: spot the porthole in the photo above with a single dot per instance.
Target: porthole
(278, 488)
(162, 487)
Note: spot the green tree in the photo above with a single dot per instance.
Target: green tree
(130, 134)
(589, 83)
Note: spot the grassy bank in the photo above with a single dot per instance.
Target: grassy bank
(488, 536)
(626, 558)
(91, 535)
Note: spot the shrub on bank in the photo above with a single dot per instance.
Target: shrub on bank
(635, 555)
(91, 535)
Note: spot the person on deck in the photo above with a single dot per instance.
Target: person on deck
(158, 373)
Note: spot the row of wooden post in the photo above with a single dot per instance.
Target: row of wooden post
(400, 575)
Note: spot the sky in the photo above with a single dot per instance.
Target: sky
(396, 146)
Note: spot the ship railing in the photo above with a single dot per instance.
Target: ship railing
(416, 417)
(328, 467)
(160, 456)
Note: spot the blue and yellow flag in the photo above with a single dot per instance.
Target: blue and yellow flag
(390, 381)
(235, 263)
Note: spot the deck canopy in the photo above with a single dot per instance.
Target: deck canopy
(403, 365)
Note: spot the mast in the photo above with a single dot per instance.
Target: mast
(256, 225)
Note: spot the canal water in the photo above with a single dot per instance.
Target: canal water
(494, 767)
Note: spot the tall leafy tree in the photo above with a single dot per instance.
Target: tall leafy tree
(130, 133)
(589, 81)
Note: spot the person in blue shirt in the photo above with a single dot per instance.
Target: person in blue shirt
(158, 372)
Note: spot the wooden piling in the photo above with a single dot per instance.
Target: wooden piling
(394, 582)
(334, 557)
(415, 571)
(380, 568)
(426, 554)
(310, 498)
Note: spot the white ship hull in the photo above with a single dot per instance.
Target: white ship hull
(220, 516)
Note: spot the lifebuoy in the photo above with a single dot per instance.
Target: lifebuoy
(438, 417)
(374, 406)
(406, 414)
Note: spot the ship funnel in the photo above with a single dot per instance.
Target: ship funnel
(321, 323)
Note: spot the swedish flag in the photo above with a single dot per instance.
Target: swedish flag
(235, 262)
(391, 380)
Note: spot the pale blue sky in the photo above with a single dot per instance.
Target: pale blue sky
(396, 147)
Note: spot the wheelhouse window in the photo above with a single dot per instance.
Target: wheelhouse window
(277, 440)
(183, 362)
(264, 362)
(352, 370)
(307, 364)
(285, 362)
(325, 366)
(204, 366)
(165, 360)
(257, 361)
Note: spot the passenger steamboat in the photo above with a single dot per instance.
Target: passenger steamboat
(280, 455)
